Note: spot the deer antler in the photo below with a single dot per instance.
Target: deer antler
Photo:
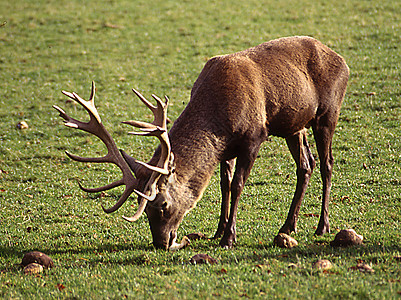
(118, 157)
(95, 127)
(157, 128)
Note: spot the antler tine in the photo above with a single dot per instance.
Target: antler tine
(95, 127)
(127, 192)
(88, 105)
(102, 188)
(139, 212)
(159, 111)
(86, 159)
(144, 100)
(161, 134)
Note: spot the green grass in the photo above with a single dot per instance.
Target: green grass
(160, 47)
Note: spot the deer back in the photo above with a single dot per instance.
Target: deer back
(276, 88)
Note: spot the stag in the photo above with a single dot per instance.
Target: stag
(279, 88)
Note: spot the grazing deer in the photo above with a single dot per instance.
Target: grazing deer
(278, 88)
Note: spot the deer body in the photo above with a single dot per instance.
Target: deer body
(278, 88)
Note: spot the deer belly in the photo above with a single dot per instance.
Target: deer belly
(290, 120)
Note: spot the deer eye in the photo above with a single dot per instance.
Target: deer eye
(164, 209)
(162, 183)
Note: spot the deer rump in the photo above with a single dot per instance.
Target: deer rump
(279, 88)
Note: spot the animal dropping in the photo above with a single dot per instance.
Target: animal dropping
(322, 264)
(347, 238)
(37, 257)
(283, 240)
(364, 268)
(279, 88)
(33, 268)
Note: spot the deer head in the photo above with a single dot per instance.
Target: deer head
(150, 181)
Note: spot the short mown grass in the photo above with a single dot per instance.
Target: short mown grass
(160, 47)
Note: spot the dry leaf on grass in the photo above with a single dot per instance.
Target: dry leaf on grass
(202, 259)
(362, 267)
(196, 236)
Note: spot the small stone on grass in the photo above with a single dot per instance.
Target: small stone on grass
(22, 125)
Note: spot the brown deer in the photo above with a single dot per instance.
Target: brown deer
(278, 88)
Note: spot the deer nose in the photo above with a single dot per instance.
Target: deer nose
(162, 245)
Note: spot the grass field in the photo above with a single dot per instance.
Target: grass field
(160, 47)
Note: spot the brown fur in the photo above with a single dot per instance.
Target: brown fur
(277, 88)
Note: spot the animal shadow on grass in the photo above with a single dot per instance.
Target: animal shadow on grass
(141, 254)
(317, 250)
(93, 255)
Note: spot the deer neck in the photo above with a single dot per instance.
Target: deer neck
(198, 148)
(196, 157)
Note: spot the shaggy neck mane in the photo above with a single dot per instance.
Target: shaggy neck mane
(198, 149)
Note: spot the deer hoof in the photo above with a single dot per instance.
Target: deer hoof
(226, 243)
(321, 230)
(288, 229)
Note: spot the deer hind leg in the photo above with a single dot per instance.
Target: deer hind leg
(305, 162)
(226, 177)
(242, 169)
(323, 136)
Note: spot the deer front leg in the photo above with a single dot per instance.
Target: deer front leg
(305, 162)
(226, 177)
(242, 169)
